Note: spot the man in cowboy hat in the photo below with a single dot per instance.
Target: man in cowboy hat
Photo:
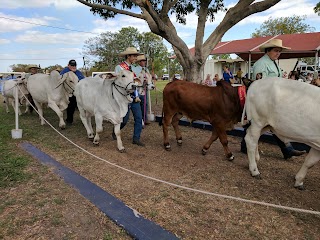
(267, 66)
(137, 69)
(130, 55)
(72, 66)
(33, 69)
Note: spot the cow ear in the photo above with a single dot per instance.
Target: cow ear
(62, 79)
(111, 75)
(137, 81)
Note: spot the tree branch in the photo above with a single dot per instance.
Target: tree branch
(232, 17)
(202, 18)
(109, 8)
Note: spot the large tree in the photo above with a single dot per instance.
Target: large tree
(157, 15)
(283, 25)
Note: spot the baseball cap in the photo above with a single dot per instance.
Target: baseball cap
(72, 62)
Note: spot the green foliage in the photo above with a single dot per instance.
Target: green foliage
(317, 8)
(283, 25)
(53, 67)
(181, 8)
(222, 56)
(19, 67)
(105, 49)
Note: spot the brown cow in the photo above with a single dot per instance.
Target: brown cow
(219, 105)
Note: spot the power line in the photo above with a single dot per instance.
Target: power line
(43, 25)
(13, 59)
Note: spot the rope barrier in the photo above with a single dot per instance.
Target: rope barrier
(177, 185)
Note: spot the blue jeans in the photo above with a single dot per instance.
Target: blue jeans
(144, 109)
(137, 116)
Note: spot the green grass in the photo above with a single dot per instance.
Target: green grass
(156, 95)
(12, 164)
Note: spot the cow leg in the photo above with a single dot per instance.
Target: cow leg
(57, 110)
(99, 129)
(88, 116)
(166, 121)
(7, 104)
(312, 158)
(13, 103)
(252, 138)
(27, 107)
(117, 132)
(213, 137)
(40, 111)
(222, 134)
(86, 121)
(175, 124)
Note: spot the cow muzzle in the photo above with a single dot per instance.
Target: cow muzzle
(131, 87)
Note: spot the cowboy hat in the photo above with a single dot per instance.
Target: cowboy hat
(33, 66)
(141, 57)
(130, 51)
(272, 44)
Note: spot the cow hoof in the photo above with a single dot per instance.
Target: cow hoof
(300, 187)
(122, 150)
(179, 142)
(63, 127)
(167, 147)
(230, 157)
(96, 143)
(257, 177)
(204, 152)
(91, 136)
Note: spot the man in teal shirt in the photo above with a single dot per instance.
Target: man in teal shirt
(267, 66)
(137, 69)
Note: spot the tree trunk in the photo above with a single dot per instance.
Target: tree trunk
(194, 72)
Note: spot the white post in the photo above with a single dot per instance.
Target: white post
(150, 115)
(16, 133)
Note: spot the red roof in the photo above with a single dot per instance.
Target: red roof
(301, 44)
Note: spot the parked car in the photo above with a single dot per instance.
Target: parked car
(165, 77)
(177, 76)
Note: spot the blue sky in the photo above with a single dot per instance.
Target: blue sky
(25, 43)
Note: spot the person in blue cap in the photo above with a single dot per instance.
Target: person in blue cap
(72, 66)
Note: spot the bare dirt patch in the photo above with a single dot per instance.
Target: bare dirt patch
(188, 214)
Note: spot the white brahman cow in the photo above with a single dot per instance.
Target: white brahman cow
(9, 89)
(54, 90)
(291, 110)
(145, 82)
(105, 99)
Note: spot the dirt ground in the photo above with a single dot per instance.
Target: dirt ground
(192, 214)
